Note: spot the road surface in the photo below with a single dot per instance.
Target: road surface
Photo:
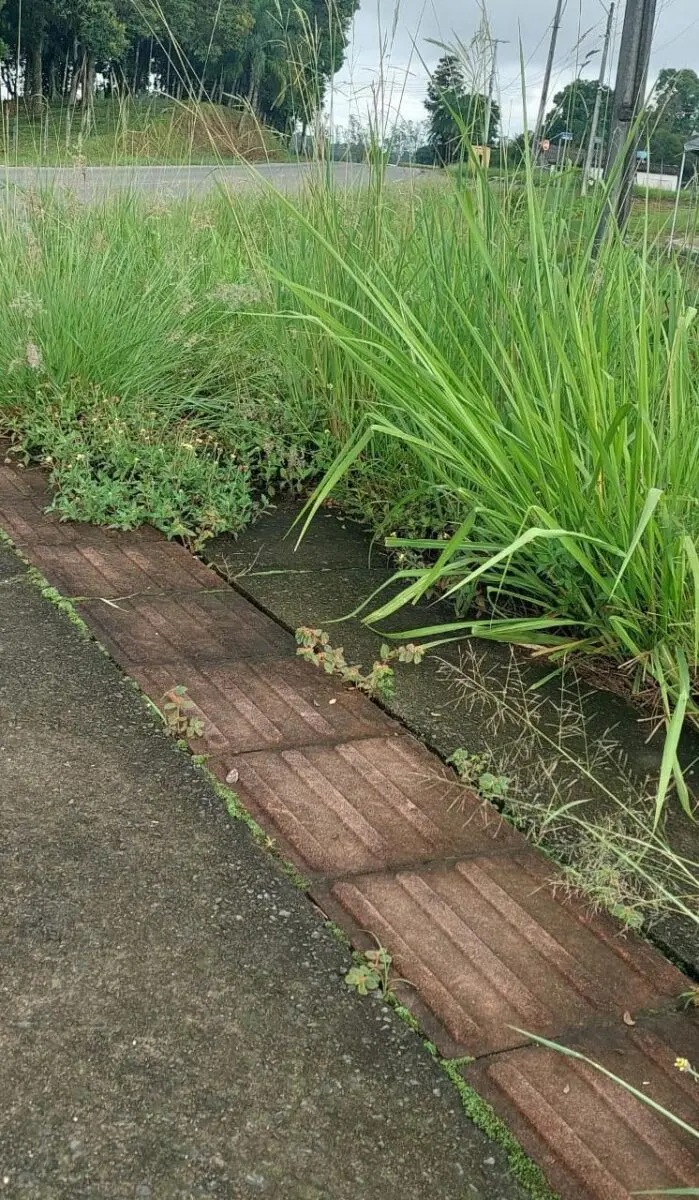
(94, 183)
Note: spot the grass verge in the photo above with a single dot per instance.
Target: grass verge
(150, 131)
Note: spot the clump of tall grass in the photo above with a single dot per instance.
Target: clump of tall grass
(550, 400)
(131, 364)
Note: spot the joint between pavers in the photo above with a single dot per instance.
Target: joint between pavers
(150, 593)
(302, 744)
(638, 1019)
(416, 864)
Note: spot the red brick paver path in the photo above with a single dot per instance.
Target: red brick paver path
(392, 845)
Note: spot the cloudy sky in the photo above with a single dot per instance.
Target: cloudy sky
(409, 52)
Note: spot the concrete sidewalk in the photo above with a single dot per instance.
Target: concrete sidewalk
(173, 1016)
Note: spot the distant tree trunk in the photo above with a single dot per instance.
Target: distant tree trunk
(53, 81)
(35, 74)
(66, 69)
(253, 95)
(73, 93)
(135, 69)
(8, 80)
(75, 78)
(88, 103)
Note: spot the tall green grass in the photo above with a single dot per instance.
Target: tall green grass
(550, 400)
(132, 364)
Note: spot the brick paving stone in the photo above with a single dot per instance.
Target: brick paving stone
(489, 944)
(186, 629)
(248, 706)
(24, 484)
(125, 569)
(366, 805)
(27, 524)
(593, 1139)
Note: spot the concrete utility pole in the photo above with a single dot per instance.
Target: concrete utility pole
(589, 158)
(629, 98)
(560, 5)
(491, 89)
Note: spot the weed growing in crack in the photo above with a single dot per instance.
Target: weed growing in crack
(60, 602)
(371, 971)
(472, 769)
(237, 812)
(314, 646)
(179, 714)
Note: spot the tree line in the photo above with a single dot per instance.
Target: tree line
(457, 112)
(672, 117)
(275, 57)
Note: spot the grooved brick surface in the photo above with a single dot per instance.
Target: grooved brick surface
(366, 805)
(594, 1140)
(27, 524)
(489, 944)
(113, 570)
(247, 706)
(28, 484)
(186, 629)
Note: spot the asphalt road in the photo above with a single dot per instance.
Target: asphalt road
(94, 183)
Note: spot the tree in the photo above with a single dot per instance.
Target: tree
(677, 100)
(30, 40)
(674, 116)
(276, 57)
(456, 115)
(573, 108)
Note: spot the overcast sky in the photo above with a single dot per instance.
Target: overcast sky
(419, 22)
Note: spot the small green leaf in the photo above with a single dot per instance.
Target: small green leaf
(363, 980)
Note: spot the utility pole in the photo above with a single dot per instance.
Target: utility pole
(491, 90)
(629, 97)
(598, 101)
(560, 5)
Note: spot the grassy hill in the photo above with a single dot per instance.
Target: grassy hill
(154, 131)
